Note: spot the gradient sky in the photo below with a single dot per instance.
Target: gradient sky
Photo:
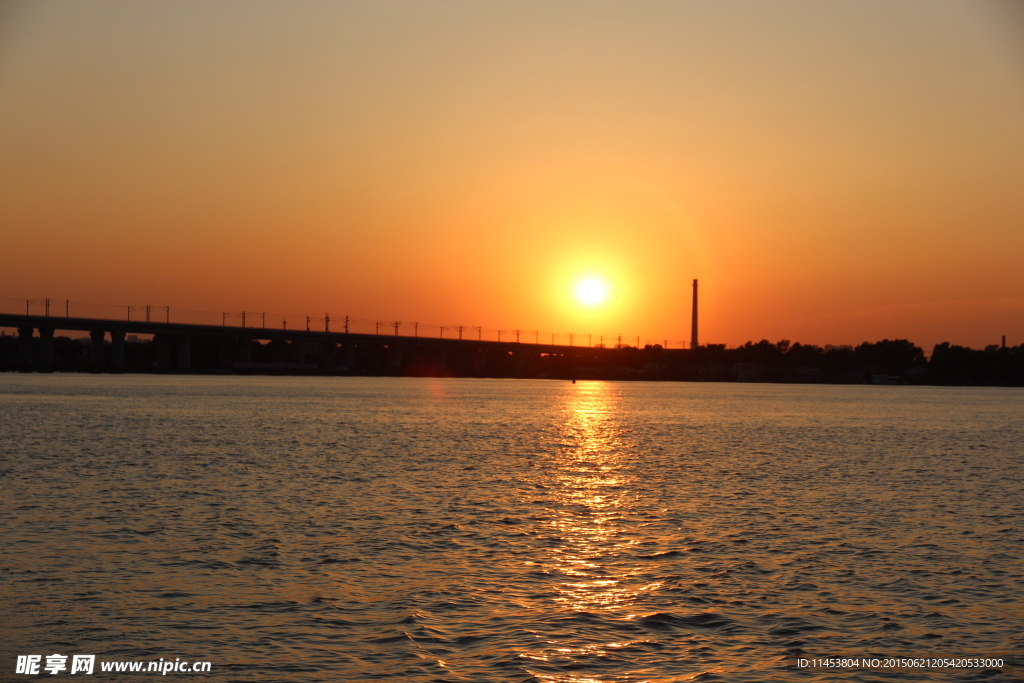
(831, 172)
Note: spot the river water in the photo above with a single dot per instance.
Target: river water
(359, 529)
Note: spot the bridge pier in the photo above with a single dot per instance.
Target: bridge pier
(223, 354)
(96, 350)
(163, 351)
(45, 349)
(279, 351)
(327, 356)
(395, 359)
(519, 363)
(184, 352)
(117, 350)
(245, 350)
(25, 349)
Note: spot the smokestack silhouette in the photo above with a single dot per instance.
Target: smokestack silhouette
(693, 329)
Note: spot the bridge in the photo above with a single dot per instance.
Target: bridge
(186, 347)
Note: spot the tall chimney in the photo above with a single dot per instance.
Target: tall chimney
(693, 329)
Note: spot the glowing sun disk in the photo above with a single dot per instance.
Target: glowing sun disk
(592, 291)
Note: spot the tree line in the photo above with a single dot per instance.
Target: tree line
(890, 361)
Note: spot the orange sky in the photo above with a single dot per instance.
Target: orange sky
(831, 172)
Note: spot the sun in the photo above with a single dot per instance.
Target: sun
(591, 291)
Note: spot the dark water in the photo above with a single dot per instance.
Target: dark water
(352, 529)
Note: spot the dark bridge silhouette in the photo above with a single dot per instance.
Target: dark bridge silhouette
(183, 348)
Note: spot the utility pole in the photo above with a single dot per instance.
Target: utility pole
(327, 322)
(168, 309)
(346, 324)
(47, 307)
(517, 335)
(571, 338)
(479, 333)
(67, 307)
(263, 318)
(243, 318)
(377, 331)
(397, 324)
(416, 329)
(129, 312)
(460, 332)
(147, 312)
(307, 324)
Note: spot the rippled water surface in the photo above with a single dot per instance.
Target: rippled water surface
(357, 529)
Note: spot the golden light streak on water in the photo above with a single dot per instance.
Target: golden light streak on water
(593, 480)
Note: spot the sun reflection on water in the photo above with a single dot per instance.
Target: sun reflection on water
(592, 481)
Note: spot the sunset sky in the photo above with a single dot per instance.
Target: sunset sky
(832, 172)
